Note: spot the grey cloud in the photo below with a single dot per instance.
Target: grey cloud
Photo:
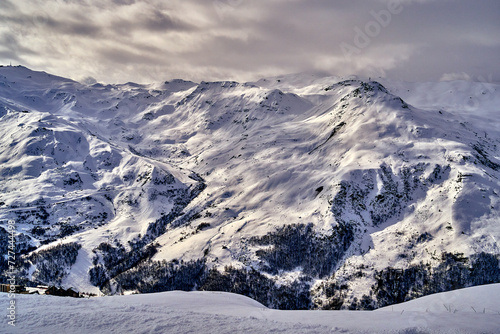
(11, 55)
(122, 56)
(74, 28)
(426, 40)
(124, 2)
(12, 50)
(154, 21)
(7, 5)
(11, 43)
(40, 21)
(158, 21)
(25, 21)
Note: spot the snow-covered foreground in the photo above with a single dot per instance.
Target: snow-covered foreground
(472, 310)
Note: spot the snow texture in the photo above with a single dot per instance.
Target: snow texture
(472, 310)
(384, 176)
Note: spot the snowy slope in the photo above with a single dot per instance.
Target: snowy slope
(311, 185)
(209, 312)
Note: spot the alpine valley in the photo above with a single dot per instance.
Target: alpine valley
(302, 191)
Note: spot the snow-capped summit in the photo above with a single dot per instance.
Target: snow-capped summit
(301, 191)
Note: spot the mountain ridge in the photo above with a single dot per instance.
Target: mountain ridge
(314, 187)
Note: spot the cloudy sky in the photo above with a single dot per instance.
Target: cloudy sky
(156, 40)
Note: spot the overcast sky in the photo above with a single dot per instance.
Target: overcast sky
(156, 40)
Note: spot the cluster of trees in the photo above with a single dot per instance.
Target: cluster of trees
(454, 272)
(285, 249)
(251, 283)
(4, 245)
(292, 246)
(112, 260)
(39, 215)
(23, 245)
(299, 245)
(391, 285)
(158, 276)
(53, 263)
(159, 227)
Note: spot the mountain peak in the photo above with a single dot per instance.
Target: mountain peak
(314, 186)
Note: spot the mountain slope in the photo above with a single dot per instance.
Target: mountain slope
(319, 191)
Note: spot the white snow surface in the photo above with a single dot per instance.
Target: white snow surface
(471, 310)
(262, 149)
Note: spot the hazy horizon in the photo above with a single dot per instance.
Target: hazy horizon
(149, 41)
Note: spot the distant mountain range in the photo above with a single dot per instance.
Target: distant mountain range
(301, 191)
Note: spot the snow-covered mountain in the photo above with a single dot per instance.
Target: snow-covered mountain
(300, 191)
